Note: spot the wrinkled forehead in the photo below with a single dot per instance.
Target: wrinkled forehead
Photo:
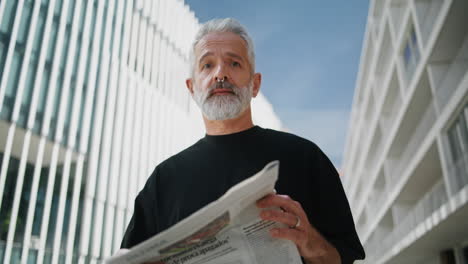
(219, 43)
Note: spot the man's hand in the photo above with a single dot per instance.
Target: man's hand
(310, 243)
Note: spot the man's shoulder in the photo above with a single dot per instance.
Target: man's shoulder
(289, 139)
(184, 155)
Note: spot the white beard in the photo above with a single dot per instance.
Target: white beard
(226, 106)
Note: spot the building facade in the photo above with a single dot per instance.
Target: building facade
(406, 156)
(92, 97)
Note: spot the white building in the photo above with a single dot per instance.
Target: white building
(92, 97)
(406, 157)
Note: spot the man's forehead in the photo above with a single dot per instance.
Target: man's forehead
(221, 39)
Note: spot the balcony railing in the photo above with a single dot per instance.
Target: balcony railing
(424, 208)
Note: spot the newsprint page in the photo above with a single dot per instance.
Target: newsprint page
(226, 231)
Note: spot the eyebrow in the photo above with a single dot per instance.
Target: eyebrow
(205, 55)
(234, 55)
(230, 54)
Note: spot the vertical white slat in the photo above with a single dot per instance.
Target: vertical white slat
(161, 129)
(133, 40)
(136, 141)
(128, 33)
(129, 119)
(155, 61)
(122, 167)
(30, 123)
(93, 153)
(99, 147)
(17, 198)
(61, 208)
(148, 136)
(105, 149)
(120, 152)
(72, 129)
(3, 83)
(25, 66)
(148, 54)
(162, 69)
(145, 136)
(171, 23)
(18, 98)
(74, 118)
(11, 50)
(58, 50)
(160, 15)
(146, 8)
(30, 41)
(128, 155)
(47, 203)
(140, 45)
(6, 159)
(74, 208)
(32, 201)
(112, 134)
(67, 161)
(154, 13)
(114, 173)
(99, 142)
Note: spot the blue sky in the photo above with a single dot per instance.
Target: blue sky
(308, 53)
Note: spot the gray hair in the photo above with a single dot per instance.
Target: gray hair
(223, 25)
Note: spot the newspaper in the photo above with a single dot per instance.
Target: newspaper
(226, 231)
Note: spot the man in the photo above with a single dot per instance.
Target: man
(223, 82)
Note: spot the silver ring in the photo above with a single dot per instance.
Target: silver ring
(298, 222)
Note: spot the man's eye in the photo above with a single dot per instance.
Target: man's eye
(206, 66)
(235, 64)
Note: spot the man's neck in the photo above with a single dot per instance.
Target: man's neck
(229, 126)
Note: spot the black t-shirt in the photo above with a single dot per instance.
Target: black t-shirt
(202, 173)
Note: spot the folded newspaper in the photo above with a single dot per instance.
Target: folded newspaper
(226, 231)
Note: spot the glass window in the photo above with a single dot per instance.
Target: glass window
(411, 53)
(24, 202)
(52, 40)
(32, 257)
(69, 197)
(42, 100)
(55, 110)
(25, 22)
(58, 8)
(3, 51)
(8, 17)
(40, 200)
(66, 127)
(454, 143)
(27, 94)
(8, 196)
(10, 93)
(54, 208)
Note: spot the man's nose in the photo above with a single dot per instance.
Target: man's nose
(220, 74)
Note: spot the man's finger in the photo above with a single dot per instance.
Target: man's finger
(282, 201)
(286, 218)
(298, 237)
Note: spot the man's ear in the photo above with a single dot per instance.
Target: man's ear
(189, 84)
(257, 81)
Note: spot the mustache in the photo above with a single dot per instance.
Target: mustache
(223, 85)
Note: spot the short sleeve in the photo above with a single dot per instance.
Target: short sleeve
(333, 217)
(144, 223)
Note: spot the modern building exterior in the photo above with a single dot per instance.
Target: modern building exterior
(406, 157)
(92, 97)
